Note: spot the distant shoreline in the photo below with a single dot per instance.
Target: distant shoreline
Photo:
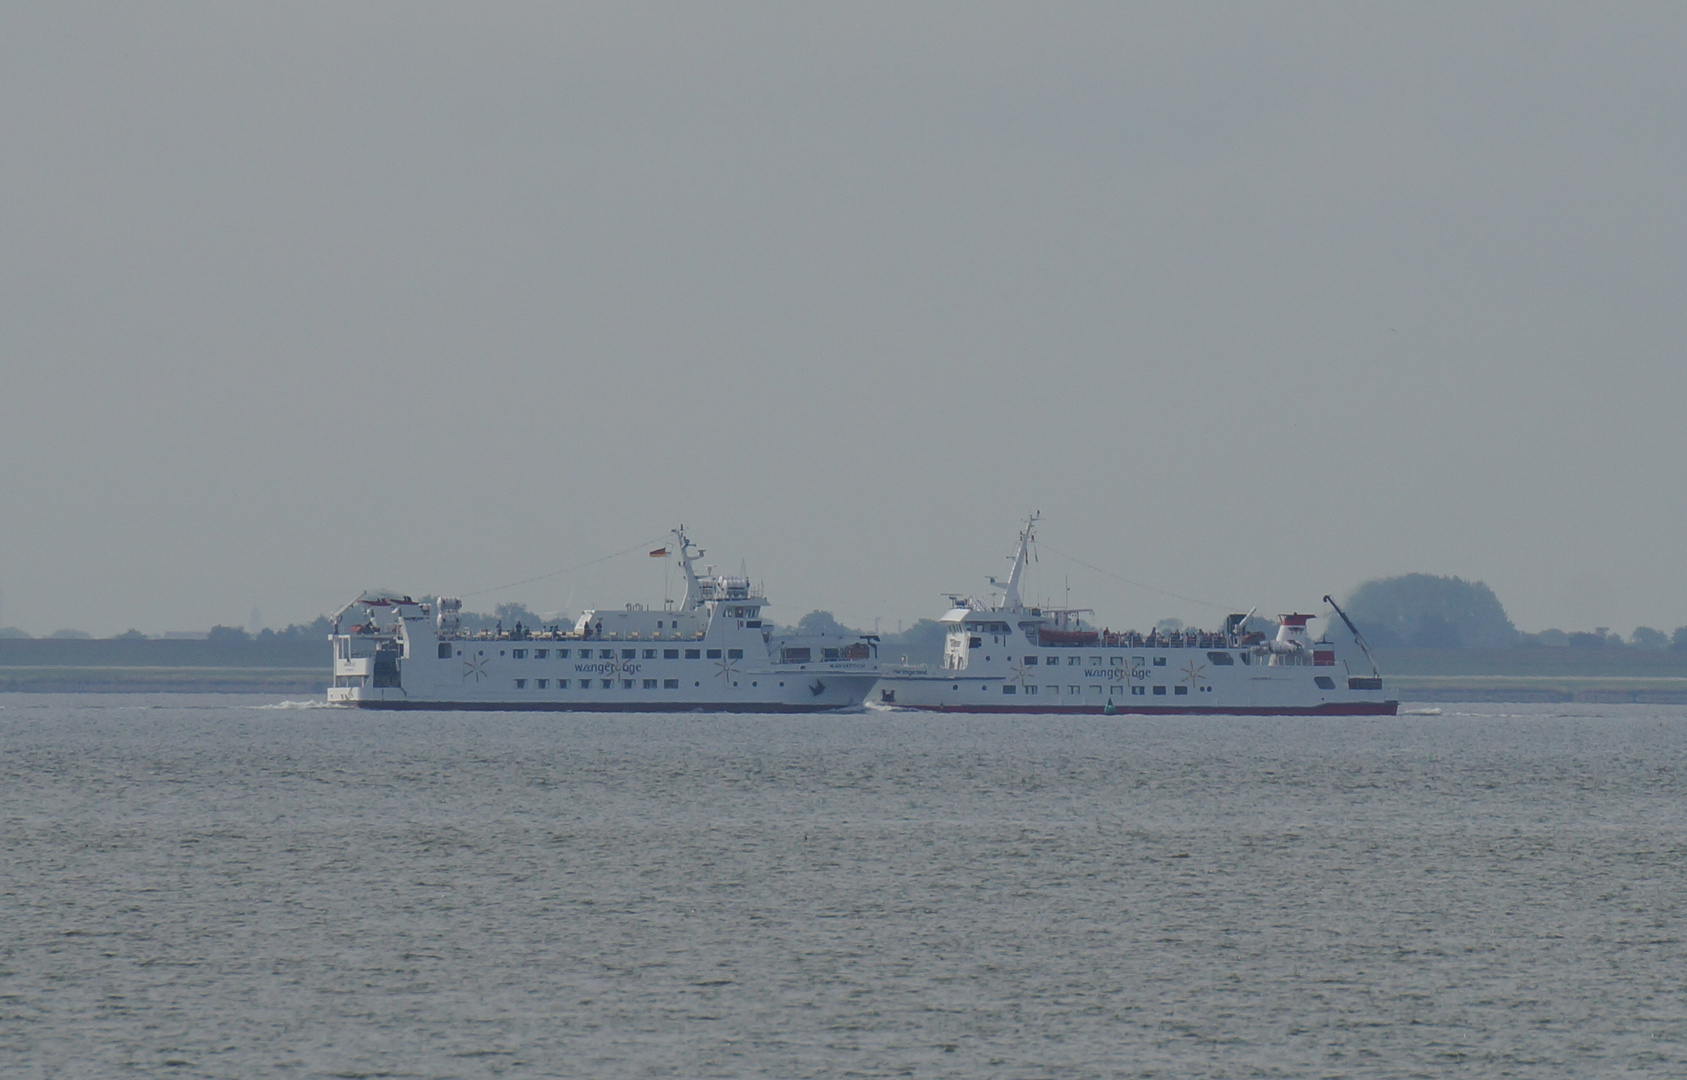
(117, 666)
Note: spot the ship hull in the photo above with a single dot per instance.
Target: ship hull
(598, 706)
(1327, 708)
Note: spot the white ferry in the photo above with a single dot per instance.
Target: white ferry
(1001, 655)
(708, 653)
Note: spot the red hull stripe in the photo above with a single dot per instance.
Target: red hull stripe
(1328, 708)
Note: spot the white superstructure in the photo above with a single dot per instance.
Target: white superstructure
(1001, 655)
(710, 652)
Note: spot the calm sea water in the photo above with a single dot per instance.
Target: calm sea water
(207, 887)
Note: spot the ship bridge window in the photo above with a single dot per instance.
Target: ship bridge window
(714, 654)
(1324, 682)
(693, 654)
(670, 654)
(445, 650)
(735, 654)
(791, 655)
(606, 654)
(1222, 659)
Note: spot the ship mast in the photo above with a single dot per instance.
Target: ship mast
(693, 591)
(1010, 591)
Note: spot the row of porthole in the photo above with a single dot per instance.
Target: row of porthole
(608, 684)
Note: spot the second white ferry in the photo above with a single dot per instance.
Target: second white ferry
(1002, 655)
(711, 653)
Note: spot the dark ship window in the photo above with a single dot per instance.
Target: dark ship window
(1222, 659)
(1324, 682)
(445, 650)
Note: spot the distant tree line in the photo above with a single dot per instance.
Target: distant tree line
(1408, 611)
(1427, 612)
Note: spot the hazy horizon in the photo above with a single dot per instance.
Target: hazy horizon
(1252, 303)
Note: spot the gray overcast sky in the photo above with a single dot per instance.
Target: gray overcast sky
(1253, 302)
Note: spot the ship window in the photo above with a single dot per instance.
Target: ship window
(1118, 661)
(1074, 689)
(1222, 659)
(1053, 660)
(445, 650)
(626, 684)
(562, 654)
(1009, 688)
(1030, 689)
(1072, 661)
(693, 654)
(608, 684)
(650, 684)
(1160, 691)
(1325, 682)
(794, 655)
(1030, 661)
(518, 654)
(650, 654)
(1096, 690)
(670, 654)
(541, 683)
(754, 624)
(670, 684)
(714, 654)
(606, 654)
(1139, 691)
(735, 654)
(975, 643)
(629, 654)
(1095, 661)
(658, 624)
(1159, 661)
(562, 684)
(1180, 689)
(1055, 689)
(540, 654)
(521, 684)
